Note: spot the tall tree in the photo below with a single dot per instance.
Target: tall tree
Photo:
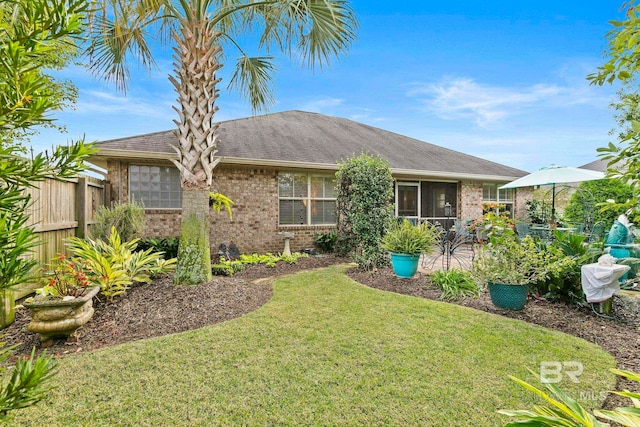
(623, 64)
(202, 32)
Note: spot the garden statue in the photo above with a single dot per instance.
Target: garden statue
(619, 232)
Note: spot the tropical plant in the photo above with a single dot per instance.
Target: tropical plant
(26, 385)
(510, 261)
(364, 187)
(455, 283)
(127, 218)
(203, 31)
(566, 411)
(326, 242)
(570, 251)
(217, 201)
(116, 265)
(405, 238)
(168, 246)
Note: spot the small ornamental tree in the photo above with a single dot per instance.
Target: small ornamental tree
(364, 188)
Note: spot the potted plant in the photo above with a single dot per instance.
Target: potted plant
(508, 266)
(406, 242)
(64, 303)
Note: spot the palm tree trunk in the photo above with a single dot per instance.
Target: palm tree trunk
(197, 61)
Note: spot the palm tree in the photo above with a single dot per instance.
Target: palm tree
(202, 32)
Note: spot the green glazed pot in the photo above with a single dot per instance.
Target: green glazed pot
(511, 297)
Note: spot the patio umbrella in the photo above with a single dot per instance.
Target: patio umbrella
(552, 175)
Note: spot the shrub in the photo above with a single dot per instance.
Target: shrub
(27, 384)
(583, 205)
(64, 277)
(326, 242)
(227, 267)
(168, 246)
(364, 188)
(116, 265)
(127, 218)
(455, 283)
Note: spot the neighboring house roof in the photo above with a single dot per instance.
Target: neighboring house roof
(302, 139)
(596, 165)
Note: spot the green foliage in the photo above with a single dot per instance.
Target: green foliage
(326, 242)
(227, 267)
(126, 218)
(406, 238)
(168, 246)
(455, 283)
(539, 212)
(64, 277)
(36, 35)
(511, 261)
(566, 411)
(27, 384)
(115, 265)
(364, 187)
(623, 51)
(600, 191)
(564, 282)
(494, 225)
(217, 201)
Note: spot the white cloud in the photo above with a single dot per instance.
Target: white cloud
(322, 105)
(93, 101)
(484, 104)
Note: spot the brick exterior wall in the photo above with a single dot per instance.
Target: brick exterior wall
(255, 213)
(470, 200)
(523, 195)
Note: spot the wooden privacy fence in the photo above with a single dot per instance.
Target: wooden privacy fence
(61, 209)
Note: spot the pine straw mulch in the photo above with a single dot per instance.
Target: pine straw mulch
(161, 308)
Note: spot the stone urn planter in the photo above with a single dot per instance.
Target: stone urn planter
(56, 317)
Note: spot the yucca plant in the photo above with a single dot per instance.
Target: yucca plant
(406, 238)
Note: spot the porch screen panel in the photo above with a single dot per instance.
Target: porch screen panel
(434, 197)
(407, 200)
(158, 187)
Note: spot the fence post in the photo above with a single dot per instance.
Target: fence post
(81, 207)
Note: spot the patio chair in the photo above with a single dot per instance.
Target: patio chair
(597, 232)
(523, 230)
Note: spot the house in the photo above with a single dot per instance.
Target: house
(279, 170)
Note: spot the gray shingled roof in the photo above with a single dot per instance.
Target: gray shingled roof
(316, 138)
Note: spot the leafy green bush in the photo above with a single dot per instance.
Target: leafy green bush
(565, 281)
(127, 218)
(583, 206)
(168, 246)
(406, 238)
(116, 265)
(227, 267)
(364, 187)
(326, 242)
(26, 384)
(455, 283)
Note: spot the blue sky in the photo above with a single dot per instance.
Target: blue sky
(501, 80)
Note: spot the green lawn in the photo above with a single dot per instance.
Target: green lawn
(324, 351)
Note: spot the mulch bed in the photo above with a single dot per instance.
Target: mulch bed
(161, 308)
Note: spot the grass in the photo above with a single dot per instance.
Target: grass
(324, 351)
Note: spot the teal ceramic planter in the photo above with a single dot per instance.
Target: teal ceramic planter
(512, 297)
(405, 265)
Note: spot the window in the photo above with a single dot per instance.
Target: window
(155, 186)
(306, 199)
(495, 199)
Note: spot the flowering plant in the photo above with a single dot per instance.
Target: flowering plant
(65, 277)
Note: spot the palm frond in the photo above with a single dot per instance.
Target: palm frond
(253, 77)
